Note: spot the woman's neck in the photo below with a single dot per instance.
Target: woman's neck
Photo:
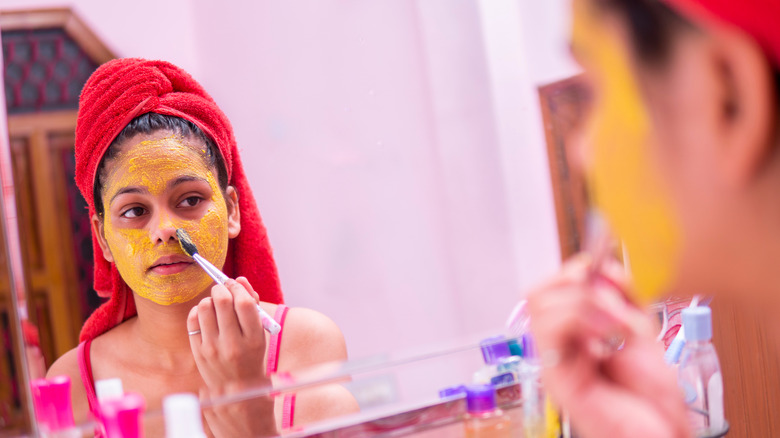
(164, 328)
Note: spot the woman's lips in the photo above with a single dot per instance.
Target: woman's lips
(171, 264)
(172, 268)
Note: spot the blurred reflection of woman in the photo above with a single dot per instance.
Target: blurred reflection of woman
(154, 153)
(684, 160)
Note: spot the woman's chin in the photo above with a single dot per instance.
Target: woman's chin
(184, 288)
(175, 298)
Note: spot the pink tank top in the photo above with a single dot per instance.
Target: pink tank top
(272, 364)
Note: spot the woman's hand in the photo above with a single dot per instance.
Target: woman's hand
(606, 392)
(229, 352)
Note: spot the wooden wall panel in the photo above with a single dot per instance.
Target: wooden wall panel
(751, 370)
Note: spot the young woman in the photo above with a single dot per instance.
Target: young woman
(154, 153)
(684, 160)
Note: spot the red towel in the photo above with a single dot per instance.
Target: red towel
(756, 17)
(121, 90)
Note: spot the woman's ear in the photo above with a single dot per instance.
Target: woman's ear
(234, 212)
(747, 111)
(97, 228)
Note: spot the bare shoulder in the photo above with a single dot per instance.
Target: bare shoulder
(68, 365)
(324, 402)
(310, 338)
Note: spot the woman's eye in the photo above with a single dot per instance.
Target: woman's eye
(133, 212)
(191, 201)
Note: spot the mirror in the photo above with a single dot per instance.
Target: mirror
(396, 152)
(22, 360)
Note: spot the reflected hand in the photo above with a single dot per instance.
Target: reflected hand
(628, 392)
(229, 352)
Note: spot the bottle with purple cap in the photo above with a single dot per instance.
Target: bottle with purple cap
(484, 419)
(501, 365)
(699, 373)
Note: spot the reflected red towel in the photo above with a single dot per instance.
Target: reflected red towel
(30, 334)
(756, 17)
(121, 90)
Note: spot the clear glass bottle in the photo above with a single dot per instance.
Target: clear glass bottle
(699, 373)
(484, 419)
(534, 420)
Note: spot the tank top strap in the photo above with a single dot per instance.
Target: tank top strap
(288, 411)
(85, 369)
(274, 347)
(275, 343)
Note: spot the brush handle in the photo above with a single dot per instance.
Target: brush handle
(269, 323)
(210, 269)
(218, 276)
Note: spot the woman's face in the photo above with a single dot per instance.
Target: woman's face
(679, 153)
(155, 184)
(619, 161)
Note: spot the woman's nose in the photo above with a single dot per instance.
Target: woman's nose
(165, 229)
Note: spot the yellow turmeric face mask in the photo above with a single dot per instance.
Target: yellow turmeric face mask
(622, 175)
(153, 188)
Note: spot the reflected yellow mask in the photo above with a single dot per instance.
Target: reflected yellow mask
(622, 174)
(152, 166)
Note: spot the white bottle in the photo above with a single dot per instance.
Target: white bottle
(182, 416)
(109, 389)
(699, 373)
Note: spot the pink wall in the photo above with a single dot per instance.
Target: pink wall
(395, 147)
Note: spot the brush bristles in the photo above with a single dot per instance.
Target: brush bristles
(186, 242)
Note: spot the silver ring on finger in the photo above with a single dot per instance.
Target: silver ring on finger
(193, 332)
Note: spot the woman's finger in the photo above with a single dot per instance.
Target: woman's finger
(245, 308)
(193, 330)
(244, 282)
(207, 320)
(226, 315)
(640, 369)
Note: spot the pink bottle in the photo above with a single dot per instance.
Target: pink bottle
(43, 408)
(53, 409)
(59, 388)
(123, 417)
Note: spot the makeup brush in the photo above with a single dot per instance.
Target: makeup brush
(598, 241)
(218, 276)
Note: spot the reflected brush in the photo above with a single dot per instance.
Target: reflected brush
(219, 277)
(598, 245)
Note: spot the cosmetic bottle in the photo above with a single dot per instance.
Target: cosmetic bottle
(534, 420)
(109, 389)
(54, 404)
(515, 349)
(43, 408)
(699, 373)
(500, 365)
(122, 417)
(483, 418)
(453, 392)
(182, 416)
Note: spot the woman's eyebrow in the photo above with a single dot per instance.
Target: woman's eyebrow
(186, 178)
(125, 190)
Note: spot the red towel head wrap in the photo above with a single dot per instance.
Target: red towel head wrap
(121, 90)
(758, 18)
